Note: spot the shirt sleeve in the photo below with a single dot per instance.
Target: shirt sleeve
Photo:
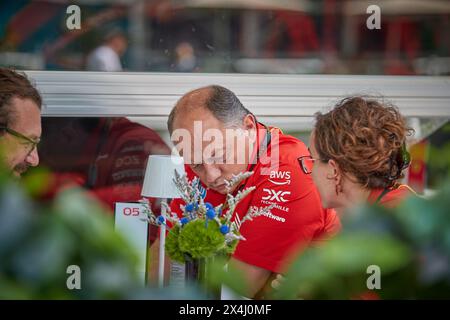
(175, 206)
(273, 240)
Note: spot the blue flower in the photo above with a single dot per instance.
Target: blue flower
(211, 214)
(161, 220)
(184, 220)
(224, 229)
(208, 206)
(189, 207)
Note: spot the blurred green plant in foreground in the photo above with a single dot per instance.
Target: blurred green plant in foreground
(39, 241)
(410, 244)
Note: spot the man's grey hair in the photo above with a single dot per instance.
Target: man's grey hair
(223, 104)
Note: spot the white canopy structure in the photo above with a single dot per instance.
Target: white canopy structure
(286, 101)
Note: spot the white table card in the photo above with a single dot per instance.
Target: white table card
(129, 224)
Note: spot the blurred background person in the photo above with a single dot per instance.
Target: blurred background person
(185, 60)
(20, 122)
(107, 156)
(107, 56)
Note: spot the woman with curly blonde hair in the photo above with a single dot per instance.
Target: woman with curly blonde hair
(358, 154)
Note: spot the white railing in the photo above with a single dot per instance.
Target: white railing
(288, 101)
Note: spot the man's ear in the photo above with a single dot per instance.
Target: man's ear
(249, 122)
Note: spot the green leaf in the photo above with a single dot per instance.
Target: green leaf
(338, 268)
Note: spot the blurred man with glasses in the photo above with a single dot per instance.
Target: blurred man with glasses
(20, 122)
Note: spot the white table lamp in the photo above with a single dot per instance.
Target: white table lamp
(158, 183)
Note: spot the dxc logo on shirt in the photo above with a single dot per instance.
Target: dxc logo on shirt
(273, 195)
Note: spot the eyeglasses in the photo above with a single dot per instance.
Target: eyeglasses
(307, 163)
(31, 142)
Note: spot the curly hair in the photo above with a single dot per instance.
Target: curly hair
(366, 138)
(15, 84)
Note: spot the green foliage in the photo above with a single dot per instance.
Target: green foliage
(200, 241)
(217, 274)
(197, 240)
(229, 248)
(37, 182)
(172, 247)
(439, 164)
(338, 270)
(410, 244)
(39, 241)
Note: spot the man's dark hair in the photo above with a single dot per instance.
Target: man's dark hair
(223, 104)
(14, 84)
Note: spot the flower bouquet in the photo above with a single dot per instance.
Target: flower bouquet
(203, 231)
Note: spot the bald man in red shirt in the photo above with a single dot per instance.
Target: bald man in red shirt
(297, 218)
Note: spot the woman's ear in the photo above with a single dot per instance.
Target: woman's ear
(334, 171)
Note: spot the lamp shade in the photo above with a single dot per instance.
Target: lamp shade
(159, 175)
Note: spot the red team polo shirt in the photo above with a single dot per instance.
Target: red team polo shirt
(297, 218)
(122, 159)
(118, 158)
(393, 198)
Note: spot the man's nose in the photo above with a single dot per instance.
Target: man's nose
(212, 173)
(33, 158)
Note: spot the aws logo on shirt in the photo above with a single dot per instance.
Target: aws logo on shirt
(283, 176)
